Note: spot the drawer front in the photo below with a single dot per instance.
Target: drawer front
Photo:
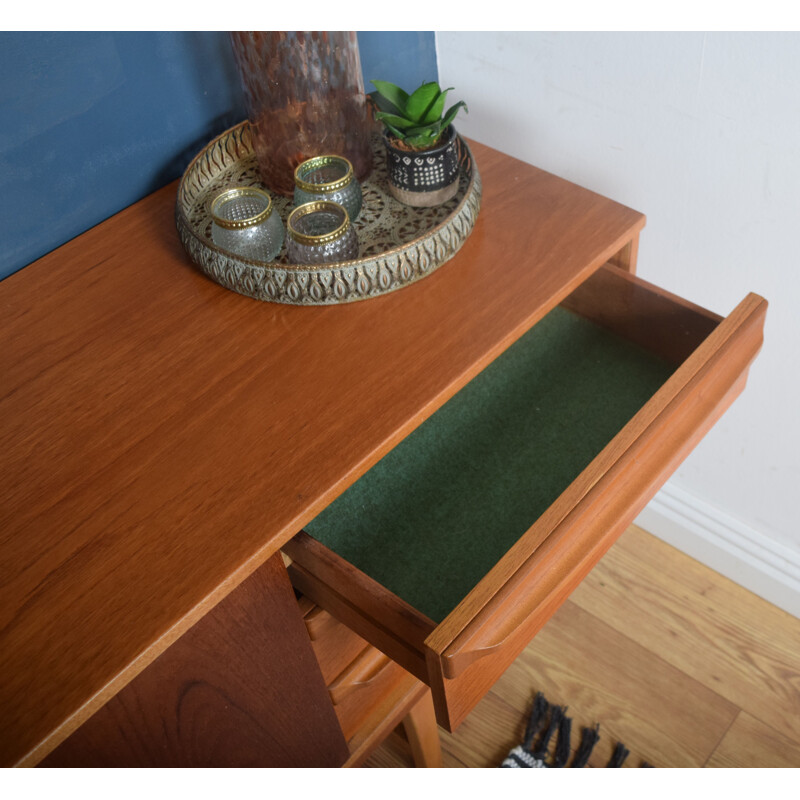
(370, 693)
(362, 604)
(335, 646)
(464, 654)
(359, 677)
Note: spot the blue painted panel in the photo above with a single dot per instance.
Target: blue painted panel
(406, 58)
(92, 122)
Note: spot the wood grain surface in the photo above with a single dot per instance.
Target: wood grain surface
(745, 648)
(242, 688)
(663, 323)
(749, 744)
(161, 436)
(423, 735)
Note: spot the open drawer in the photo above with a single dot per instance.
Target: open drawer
(455, 548)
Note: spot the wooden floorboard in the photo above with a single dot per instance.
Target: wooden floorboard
(741, 646)
(750, 743)
(681, 665)
(659, 712)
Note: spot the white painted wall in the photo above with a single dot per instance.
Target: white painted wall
(701, 132)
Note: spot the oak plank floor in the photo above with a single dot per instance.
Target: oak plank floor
(683, 666)
(751, 743)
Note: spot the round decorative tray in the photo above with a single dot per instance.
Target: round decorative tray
(398, 244)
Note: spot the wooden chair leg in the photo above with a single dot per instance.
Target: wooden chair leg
(423, 733)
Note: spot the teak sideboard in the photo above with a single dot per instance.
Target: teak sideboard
(164, 439)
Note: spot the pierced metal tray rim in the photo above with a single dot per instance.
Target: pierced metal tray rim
(318, 284)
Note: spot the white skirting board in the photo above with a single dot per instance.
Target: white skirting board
(764, 566)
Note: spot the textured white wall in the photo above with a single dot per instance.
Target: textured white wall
(701, 132)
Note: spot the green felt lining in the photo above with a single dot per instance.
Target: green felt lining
(432, 517)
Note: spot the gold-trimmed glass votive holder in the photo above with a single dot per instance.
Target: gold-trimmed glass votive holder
(320, 233)
(328, 178)
(244, 221)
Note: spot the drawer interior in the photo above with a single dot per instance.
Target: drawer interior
(432, 517)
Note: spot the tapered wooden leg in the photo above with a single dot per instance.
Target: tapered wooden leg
(626, 258)
(423, 733)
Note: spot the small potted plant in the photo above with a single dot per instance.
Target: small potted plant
(421, 148)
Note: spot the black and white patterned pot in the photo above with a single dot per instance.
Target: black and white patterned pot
(426, 178)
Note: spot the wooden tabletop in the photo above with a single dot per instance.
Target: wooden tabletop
(161, 437)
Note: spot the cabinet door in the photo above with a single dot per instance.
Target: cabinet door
(242, 688)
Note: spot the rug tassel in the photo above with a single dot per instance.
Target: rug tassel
(618, 756)
(589, 738)
(556, 715)
(536, 720)
(563, 743)
(547, 721)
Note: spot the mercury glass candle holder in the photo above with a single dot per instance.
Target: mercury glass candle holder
(244, 222)
(320, 233)
(328, 178)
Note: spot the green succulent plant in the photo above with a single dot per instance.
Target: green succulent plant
(417, 119)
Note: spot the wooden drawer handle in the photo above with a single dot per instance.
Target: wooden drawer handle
(704, 386)
(546, 581)
(453, 664)
(317, 620)
(367, 665)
